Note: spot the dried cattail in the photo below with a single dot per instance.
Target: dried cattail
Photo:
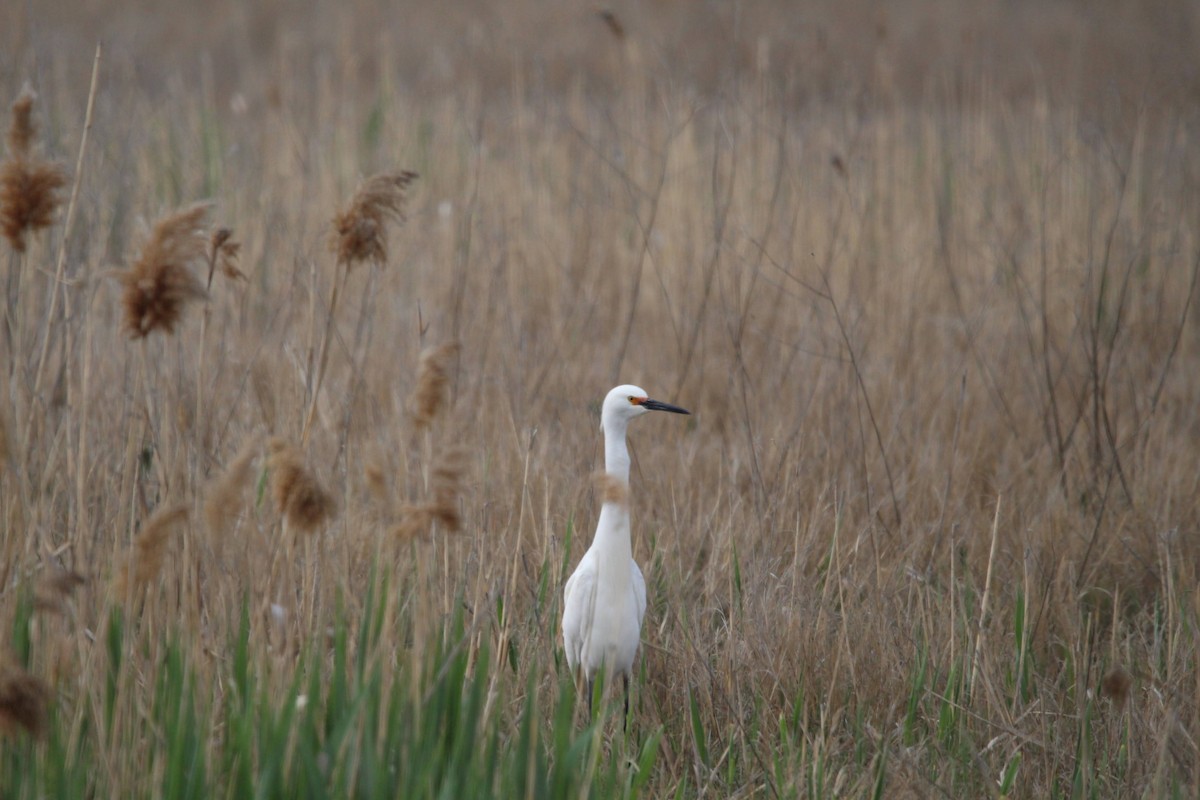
(298, 495)
(23, 699)
(612, 489)
(226, 499)
(433, 376)
(54, 588)
(223, 254)
(360, 232)
(1116, 684)
(149, 549)
(161, 282)
(29, 186)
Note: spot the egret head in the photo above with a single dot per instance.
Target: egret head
(626, 402)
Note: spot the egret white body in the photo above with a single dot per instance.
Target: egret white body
(605, 598)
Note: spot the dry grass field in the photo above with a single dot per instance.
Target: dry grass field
(286, 508)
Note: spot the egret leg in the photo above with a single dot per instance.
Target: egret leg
(591, 691)
(625, 680)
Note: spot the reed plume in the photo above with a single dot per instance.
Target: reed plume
(433, 378)
(149, 549)
(360, 232)
(416, 520)
(23, 699)
(223, 255)
(304, 504)
(1116, 684)
(227, 497)
(22, 132)
(29, 186)
(445, 487)
(161, 282)
(54, 588)
(375, 473)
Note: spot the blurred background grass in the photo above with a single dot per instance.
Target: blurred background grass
(1106, 57)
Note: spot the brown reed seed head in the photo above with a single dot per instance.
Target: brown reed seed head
(360, 232)
(376, 485)
(54, 589)
(433, 377)
(23, 699)
(223, 254)
(376, 475)
(1116, 684)
(298, 495)
(446, 485)
(416, 520)
(149, 549)
(161, 283)
(228, 494)
(611, 488)
(29, 187)
(22, 131)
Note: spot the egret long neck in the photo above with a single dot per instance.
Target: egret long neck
(612, 534)
(616, 453)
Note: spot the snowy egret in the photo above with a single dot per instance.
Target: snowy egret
(605, 598)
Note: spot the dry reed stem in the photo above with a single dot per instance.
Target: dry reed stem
(5, 444)
(433, 378)
(23, 699)
(322, 361)
(981, 633)
(226, 499)
(360, 231)
(65, 240)
(149, 549)
(299, 497)
(161, 282)
(29, 186)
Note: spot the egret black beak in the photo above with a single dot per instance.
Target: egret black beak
(657, 405)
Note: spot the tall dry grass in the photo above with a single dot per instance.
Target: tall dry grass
(934, 513)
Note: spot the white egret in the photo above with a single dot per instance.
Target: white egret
(605, 598)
